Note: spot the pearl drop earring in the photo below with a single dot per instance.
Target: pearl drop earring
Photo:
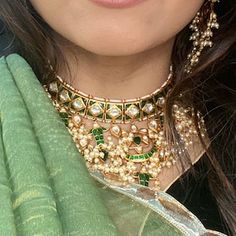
(202, 26)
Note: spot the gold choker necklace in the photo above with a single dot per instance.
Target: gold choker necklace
(133, 155)
(111, 110)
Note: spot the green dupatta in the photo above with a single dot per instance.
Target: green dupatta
(45, 187)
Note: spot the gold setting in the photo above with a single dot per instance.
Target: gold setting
(132, 155)
(110, 110)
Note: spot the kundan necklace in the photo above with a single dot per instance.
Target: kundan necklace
(123, 156)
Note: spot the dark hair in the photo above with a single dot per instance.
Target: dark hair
(209, 88)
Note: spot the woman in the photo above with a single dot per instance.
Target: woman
(145, 89)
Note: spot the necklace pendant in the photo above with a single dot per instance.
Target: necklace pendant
(136, 155)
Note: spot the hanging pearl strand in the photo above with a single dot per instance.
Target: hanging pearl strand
(202, 38)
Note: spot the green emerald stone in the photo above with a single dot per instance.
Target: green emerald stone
(63, 115)
(143, 179)
(137, 139)
(94, 131)
(100, 130)
(142, 156)
(97, 131)
(100, 141)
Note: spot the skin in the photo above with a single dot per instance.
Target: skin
(117, 49)
(118, 53)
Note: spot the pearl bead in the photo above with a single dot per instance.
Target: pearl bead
(125, 178)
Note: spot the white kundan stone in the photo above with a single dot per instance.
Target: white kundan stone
(132, 111)
(78, 104)
(114, 111)
(53, 87)
(64, 96)
(96, 109)
(160, 101)
(148, 108)
(77, 119)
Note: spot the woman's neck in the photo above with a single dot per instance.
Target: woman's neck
(118, 77)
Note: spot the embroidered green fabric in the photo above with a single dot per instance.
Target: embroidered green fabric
(45, 187)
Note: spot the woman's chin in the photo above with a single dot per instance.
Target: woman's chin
(111, 47)
(114, 49)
